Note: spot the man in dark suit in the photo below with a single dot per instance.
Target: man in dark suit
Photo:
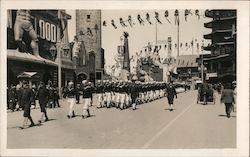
(26, 100)
(171, 92)
(227, 97)
(42, 96)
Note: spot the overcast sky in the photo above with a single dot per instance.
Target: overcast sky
(139, 36)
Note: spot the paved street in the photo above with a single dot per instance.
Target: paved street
(152, 125)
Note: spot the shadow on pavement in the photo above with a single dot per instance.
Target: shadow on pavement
(222, 115)
(21, 128)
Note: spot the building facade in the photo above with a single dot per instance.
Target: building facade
(221, 64)
(50, 26)
(91, 55)
(187, 67)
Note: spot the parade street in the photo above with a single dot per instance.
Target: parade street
(151, 126)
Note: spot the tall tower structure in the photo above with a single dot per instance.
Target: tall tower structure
(88, 31)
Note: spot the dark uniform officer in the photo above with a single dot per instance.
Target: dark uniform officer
(171, 92)
(42, 96)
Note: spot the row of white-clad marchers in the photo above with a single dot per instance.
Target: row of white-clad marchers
(124, 100)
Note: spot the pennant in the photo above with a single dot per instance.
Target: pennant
(176, 14)
(186, 14)
(104, 23)
(166, 16)
(141, 21)
(148, 18)
(122, 23)
(157, 17)
(130, 21)
(197, 14)
(113, 24)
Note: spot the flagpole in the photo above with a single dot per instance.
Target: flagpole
(178, 36)
(155, 32)
(59, 46)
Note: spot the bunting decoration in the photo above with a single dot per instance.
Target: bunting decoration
(176, 14)
(113, 24)
(122, 23)
(141, 21)
(148, 18)
(157, 17)
(166, 16)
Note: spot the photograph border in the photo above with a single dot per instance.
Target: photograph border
(242, 8)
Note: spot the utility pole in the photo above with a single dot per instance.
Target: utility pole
(178, 36)
(59, 48)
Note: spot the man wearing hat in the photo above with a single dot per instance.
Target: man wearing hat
(43, 95)
(70, 92)
(87, 94)
(171, 92)
(26, 99)
(227, 97)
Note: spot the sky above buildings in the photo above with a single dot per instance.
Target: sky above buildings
(139, 35)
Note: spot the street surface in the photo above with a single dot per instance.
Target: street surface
(152, 126)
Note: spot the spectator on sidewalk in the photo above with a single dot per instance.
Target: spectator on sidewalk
(42, 96)
(12, 98)
(26, 99)
(227, 97)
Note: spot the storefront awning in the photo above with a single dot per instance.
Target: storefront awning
(28, 75)
(27, 57)
(217, 57)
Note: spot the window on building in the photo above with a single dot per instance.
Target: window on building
(88, 18)
(98, 75)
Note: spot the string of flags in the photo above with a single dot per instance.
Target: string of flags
(129, 21)
(185, 45)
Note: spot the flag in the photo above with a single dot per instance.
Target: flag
(62, 23)
(157, 17)
(113, 24)
(166, 16)
(122, 23)
(148, 18)
(197, 13)
(104, 23)
(141, 21)
(176, 14)
(130, 21)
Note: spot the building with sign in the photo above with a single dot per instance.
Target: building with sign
(187, 67)
(91, 55)
(50, 27)
(221, 64)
